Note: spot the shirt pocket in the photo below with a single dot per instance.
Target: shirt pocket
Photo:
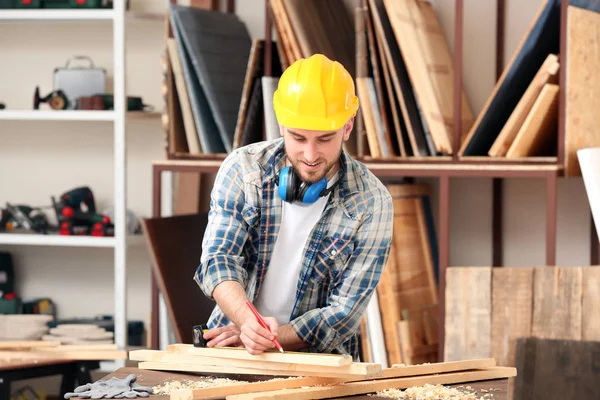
(331, 258)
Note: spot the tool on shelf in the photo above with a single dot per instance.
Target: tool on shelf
(57, 99)
(76, 214)
(25, 217)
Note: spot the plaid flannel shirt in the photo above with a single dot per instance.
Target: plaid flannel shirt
(343, 257)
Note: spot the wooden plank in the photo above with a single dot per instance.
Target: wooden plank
(557, 308)
(65, 355)
(468, 313)
(368, 371)
(333, 360)
(191, 133)
(582, 85)
(537, 135)
(362, 88)
(353, 370)
(364, 387)
(249, 387)
(405, 94)
(548, 73)
(438, 59)
(590, 303)
(26, 344)
(512, 308)
(406, 35)
(399, 371)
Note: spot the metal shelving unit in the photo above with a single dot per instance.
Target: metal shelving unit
(117, 117)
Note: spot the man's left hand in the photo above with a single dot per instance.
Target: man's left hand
(225, 336)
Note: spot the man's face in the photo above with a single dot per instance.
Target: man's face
(314, 153)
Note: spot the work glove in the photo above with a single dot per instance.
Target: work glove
(113, 388)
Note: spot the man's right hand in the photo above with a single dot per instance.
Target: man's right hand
(257, 339)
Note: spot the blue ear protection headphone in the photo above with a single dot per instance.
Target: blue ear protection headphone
(292, 189)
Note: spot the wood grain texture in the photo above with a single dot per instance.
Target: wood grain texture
(539, 130)
(582, 84)
(557, 303)
(548, 73)
(468, 313)
(590, 304)
(512, 307)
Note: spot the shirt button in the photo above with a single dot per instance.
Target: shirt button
(333, 252)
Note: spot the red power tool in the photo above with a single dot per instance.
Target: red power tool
(76, 214)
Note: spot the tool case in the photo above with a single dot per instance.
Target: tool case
(79, 81)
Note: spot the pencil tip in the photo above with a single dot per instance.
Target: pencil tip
(281, 351)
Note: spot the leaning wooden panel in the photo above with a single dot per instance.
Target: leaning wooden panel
(512, 307)
(557, 294)
(582, 118)
(274, 356)
(405, 31)
(538, 133)
(590, 304)
(468, 313)
(364, 387)
(548, 73)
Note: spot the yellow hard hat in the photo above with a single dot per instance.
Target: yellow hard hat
(315, 93)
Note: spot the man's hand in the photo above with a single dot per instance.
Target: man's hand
(257, 339)
(226, 336)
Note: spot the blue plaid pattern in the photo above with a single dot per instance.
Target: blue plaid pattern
(343, 258)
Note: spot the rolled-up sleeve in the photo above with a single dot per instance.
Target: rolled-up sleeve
(325, 329)
(226, 231)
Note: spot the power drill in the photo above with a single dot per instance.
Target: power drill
(73, 219)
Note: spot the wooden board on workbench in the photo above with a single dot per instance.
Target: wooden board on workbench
(363, 387)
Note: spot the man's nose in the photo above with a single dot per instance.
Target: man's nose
(310, 152)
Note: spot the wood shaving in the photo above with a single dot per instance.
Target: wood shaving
(432, 392)
(170, 386)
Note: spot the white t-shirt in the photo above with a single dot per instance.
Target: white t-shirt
(277, 294)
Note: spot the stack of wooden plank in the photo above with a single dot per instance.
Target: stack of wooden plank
(407, 292)
(28, 351)
(489, 309)
(305, 375)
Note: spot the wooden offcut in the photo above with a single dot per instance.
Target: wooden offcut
(582, 119)
(548, 73)
(368, 112)
(590, 304)
(539, 128)
(364, 387)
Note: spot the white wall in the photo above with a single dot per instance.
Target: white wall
(38, 160)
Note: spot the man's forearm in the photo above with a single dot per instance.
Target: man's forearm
(289, 340)
(231, 298)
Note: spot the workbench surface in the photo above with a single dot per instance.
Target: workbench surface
(498, 387)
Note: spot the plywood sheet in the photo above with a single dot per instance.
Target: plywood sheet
(582, 119)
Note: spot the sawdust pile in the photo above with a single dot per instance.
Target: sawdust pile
(433, 392)
(170, 386)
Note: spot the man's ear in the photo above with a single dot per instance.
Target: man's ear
(348, 128)
(281, 130)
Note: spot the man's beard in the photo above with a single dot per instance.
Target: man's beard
(312, 177)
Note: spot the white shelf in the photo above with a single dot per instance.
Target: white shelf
(56, 115)
(57, 14)
(33, 239)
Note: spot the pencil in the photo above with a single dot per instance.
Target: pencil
(262, 323)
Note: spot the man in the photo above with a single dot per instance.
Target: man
(296, 225)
